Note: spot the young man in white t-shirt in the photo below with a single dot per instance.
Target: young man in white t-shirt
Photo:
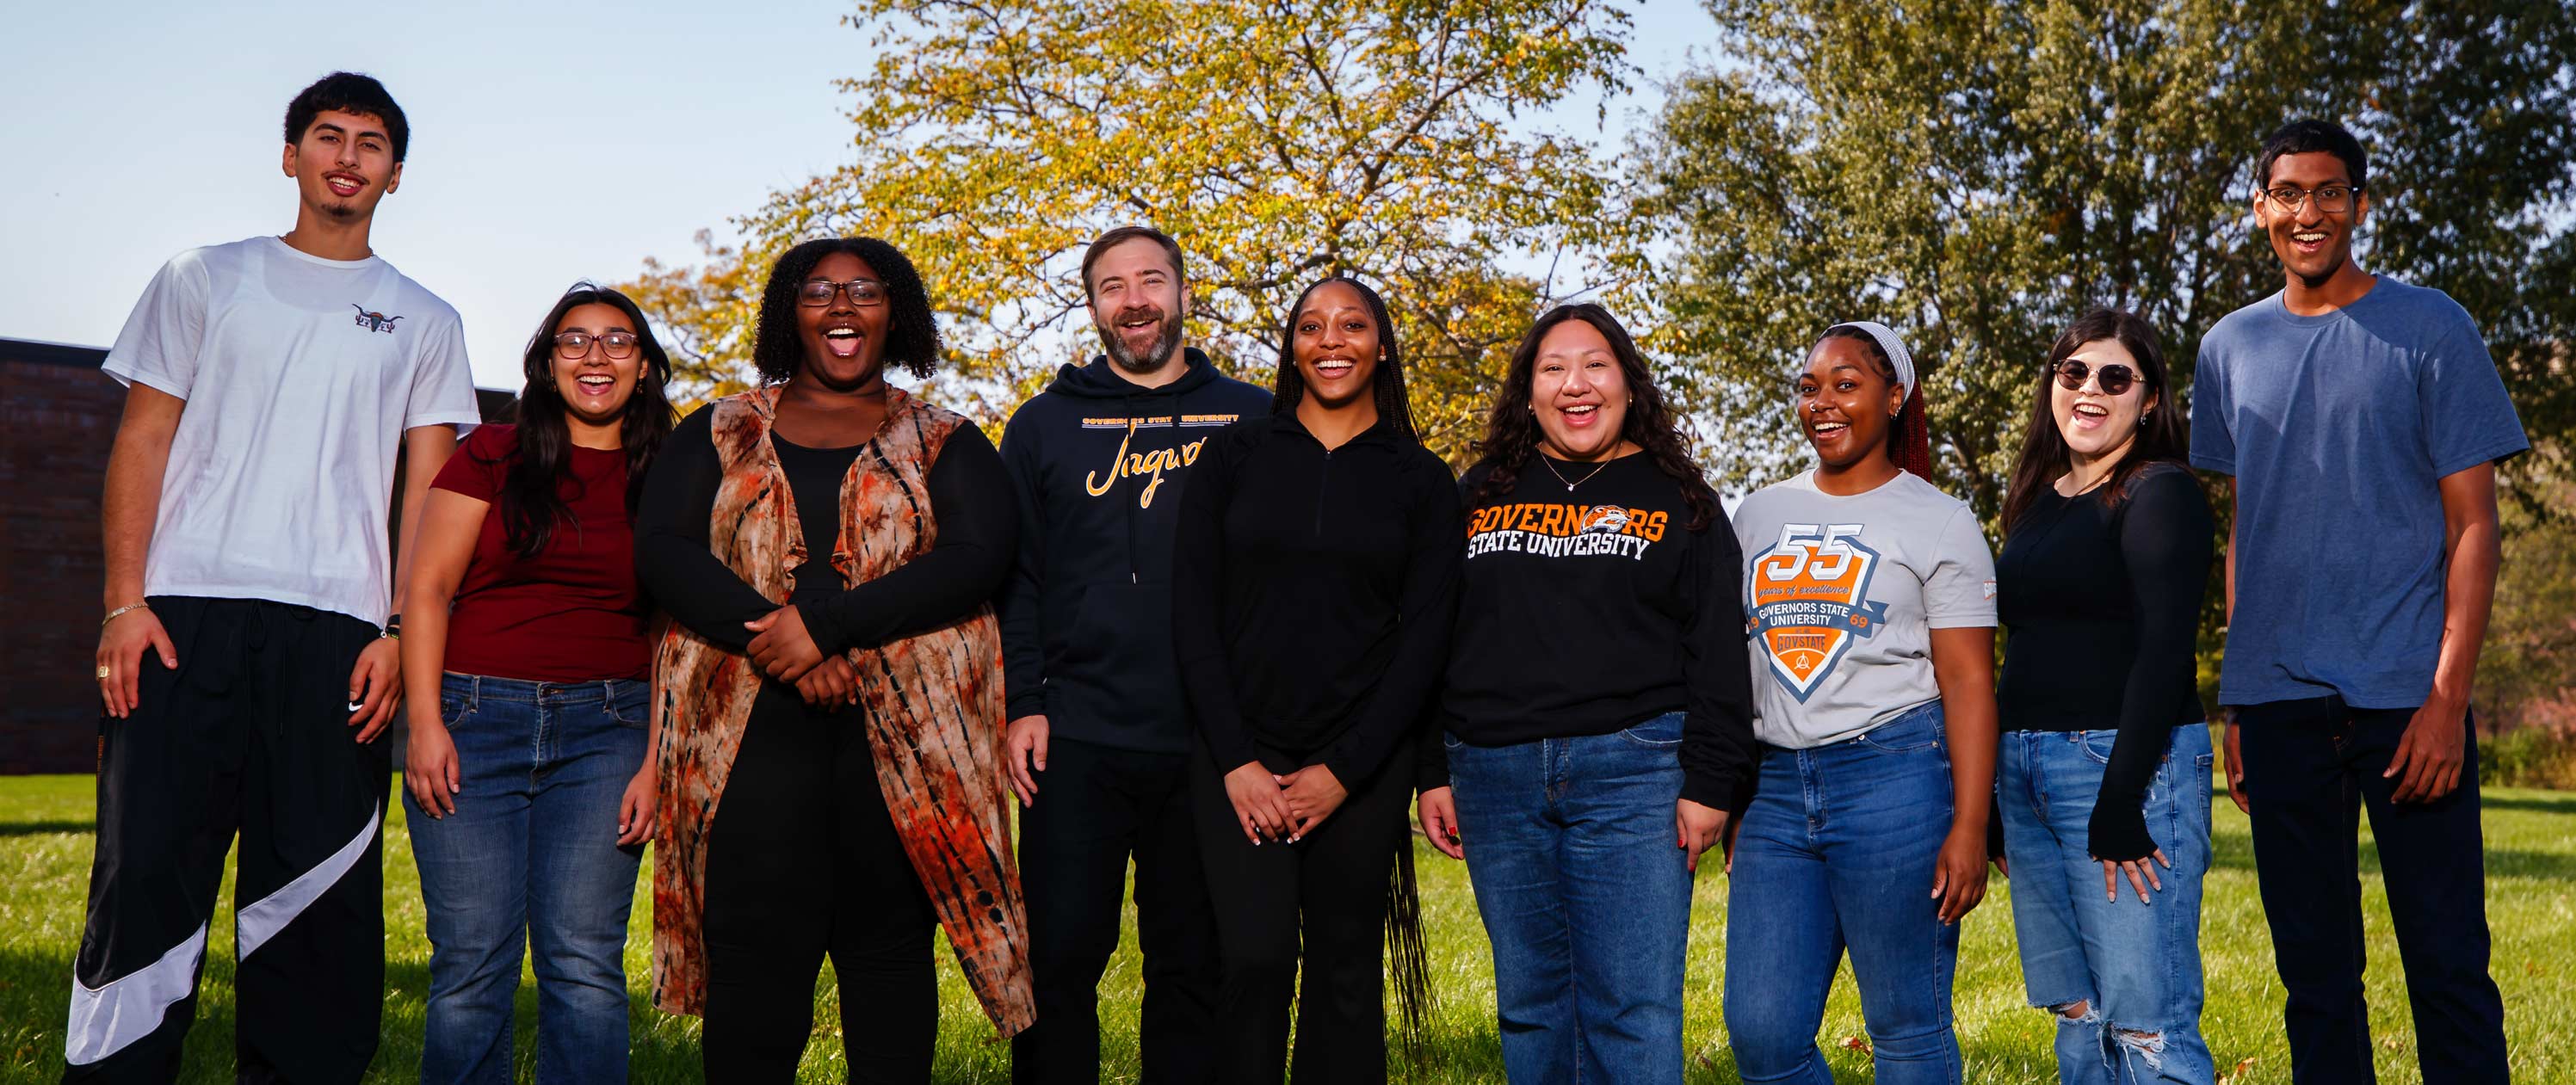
(246, 659)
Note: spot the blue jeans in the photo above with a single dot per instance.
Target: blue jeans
(1837, 852)
(530, 853)
(1586, 898)
(2134, 966)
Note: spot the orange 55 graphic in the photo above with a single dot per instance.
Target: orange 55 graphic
(1808, 598)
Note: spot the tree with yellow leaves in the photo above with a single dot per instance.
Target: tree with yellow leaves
(1278, 143)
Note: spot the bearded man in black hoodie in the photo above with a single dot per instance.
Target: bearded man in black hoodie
(1097, 717)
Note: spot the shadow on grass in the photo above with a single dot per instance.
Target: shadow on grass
(35, 996)
(2501, 862)
(45, 828)
(2542, 804)
(1447, 1052)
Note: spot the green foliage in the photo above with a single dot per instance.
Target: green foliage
(992, 141)
(1978, 175)
(2527, 672)
(2535, 755)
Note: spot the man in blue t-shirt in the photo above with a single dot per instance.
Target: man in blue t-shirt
(2362, 420)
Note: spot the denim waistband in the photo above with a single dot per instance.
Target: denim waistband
(483, 687)
(2036, 734)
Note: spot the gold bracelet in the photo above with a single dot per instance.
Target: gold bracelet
(120, 612)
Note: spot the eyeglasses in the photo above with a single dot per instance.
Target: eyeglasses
(817, 293)
(2116, 378)
(2332, 199)
(577, 344)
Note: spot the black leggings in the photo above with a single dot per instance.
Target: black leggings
(1323, 898)
(803, 860)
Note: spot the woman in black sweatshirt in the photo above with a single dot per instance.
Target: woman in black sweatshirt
(2103, 778)
(1597, 717)
(1313, 578)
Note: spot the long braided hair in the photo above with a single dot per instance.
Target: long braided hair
(1512, 433)
(1408, 958)
(1386, 385)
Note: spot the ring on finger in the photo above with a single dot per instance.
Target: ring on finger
(104, 670)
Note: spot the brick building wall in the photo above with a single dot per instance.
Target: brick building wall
(58, 416)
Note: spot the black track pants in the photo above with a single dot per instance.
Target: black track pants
(250, 734)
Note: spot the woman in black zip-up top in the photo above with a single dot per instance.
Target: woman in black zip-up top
(1314, 576)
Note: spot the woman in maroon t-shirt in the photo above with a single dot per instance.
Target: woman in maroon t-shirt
(528, 791)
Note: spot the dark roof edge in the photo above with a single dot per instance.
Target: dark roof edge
(44, 353)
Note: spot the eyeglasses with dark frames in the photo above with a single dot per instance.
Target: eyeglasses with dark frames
(576, 344)
(2333, 199)
(817, 293)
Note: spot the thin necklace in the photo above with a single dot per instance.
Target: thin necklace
(1560, 475)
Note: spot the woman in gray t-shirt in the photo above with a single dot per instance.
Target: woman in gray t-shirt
(1869, 599)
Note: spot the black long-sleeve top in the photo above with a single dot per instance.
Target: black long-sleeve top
(1591, 610)
(2102, 607)
(970, 501)
(1312, 593)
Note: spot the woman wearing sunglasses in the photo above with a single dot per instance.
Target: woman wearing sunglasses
(2104, 774)
(525, 781)
(1870, 599)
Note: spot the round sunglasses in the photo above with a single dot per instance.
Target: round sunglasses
(2116, 377)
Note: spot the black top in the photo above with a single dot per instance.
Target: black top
(1588, 611)
(1097, 463)
(2102, 606)
(1312, 593)
(970, 501)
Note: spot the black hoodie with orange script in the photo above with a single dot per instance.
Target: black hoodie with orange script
(1099, 462)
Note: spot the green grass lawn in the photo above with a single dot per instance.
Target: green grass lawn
(45, 841)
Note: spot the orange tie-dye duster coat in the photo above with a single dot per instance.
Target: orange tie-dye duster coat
(933, 704)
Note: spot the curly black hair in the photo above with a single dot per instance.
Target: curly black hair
(1511, 432)
(912, 335)
(1386, 384)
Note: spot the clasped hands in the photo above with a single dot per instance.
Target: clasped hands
(782, 648)
(1274, 807)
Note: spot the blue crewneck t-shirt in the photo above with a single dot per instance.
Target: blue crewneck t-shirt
(2339, 429)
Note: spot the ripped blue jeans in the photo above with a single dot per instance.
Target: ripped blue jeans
(2129, 971)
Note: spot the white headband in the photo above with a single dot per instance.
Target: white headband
(1887, 341)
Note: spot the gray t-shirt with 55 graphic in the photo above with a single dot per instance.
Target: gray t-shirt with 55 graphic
(1841, 595)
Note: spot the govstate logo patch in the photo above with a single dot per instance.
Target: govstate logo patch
(1807, 602)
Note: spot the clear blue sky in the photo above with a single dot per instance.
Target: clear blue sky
(551, 142)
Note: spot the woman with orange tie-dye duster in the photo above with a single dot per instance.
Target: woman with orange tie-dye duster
(831, 713)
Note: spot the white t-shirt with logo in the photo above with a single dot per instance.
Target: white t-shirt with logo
(301, 375)
(1841, 595)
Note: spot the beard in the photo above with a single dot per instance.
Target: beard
(1167, 338)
